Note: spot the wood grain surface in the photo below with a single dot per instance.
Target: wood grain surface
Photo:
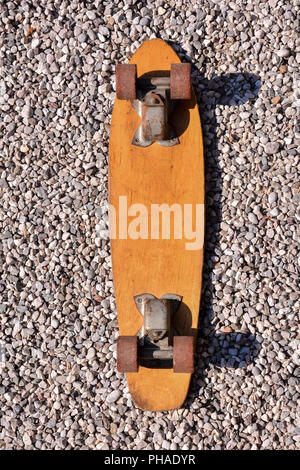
(156, 175)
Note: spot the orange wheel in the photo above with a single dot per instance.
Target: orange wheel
(180, 78)
(183, 354)
(126, 81)
(127, 354)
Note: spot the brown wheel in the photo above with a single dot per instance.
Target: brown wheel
(125, 81)
(180, 82)
(127, 354)
(183, 354)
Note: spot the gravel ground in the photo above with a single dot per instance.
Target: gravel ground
(59, 386)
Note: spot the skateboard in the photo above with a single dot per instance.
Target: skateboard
(156, 216)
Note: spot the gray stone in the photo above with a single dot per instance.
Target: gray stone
(113, 396)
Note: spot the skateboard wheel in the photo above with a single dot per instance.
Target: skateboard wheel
(127, 354)
(183, 354)
(180, 82)
(125, 81)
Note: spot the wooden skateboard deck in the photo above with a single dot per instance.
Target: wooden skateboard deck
(150, 175)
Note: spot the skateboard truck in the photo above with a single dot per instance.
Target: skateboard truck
(154, 98)
(157, 344)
